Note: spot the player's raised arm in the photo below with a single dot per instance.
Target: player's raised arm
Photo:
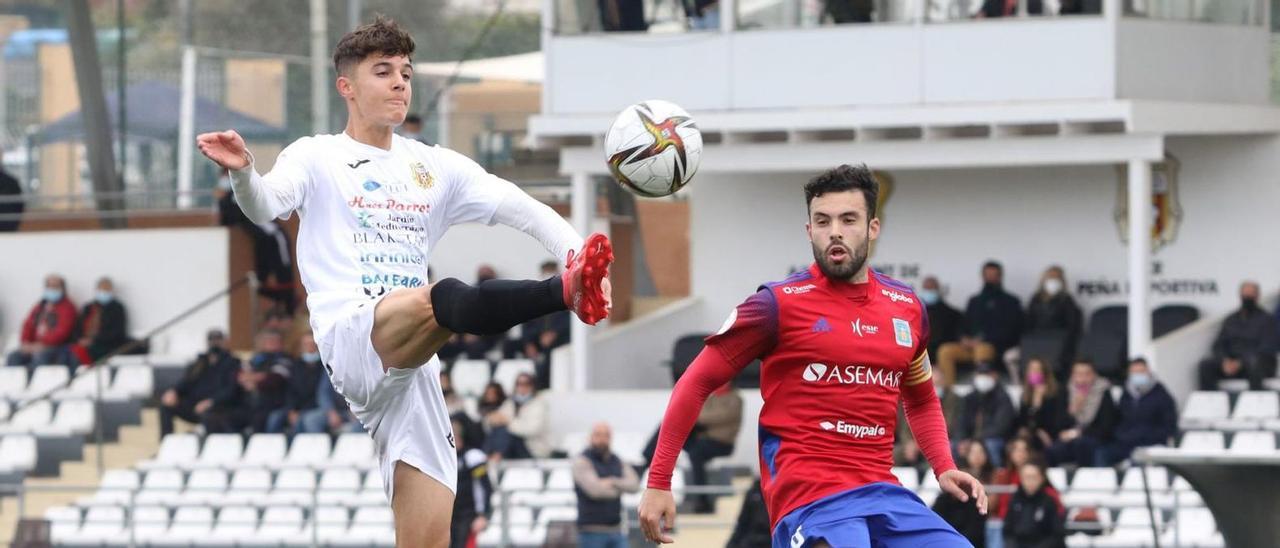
(262, 198)
(924, 415)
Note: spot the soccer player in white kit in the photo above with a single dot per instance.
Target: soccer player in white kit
(373, 204)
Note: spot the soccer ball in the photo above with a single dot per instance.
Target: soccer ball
(653, 148)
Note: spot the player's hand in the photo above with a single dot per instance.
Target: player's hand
(225, 148)
(961, 486)
(657, 515)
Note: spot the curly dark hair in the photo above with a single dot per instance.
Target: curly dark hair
(842, 179)
(382, 36)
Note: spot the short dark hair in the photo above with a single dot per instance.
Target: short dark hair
(845, 178)
(1139, 360)
(382, 36)
(993, 264)
(412, 119)
(1088, 362)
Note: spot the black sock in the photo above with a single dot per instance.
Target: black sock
(494, 306)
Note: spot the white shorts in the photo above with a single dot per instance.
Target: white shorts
(403, 409)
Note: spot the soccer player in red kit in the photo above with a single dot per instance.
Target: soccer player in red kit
(841, 344)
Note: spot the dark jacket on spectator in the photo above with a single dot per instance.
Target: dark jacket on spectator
(1006, 8)
(1247, 334)
(50, 324)
(945, 325)
(994, 316)
(111, 323)
(1050, 417)
(270, 393)
(1033, 521)
(1149, 419)
(10, 189)
(987, 415)
(1103, 425)
(303, 385)
(211, 373)
(964, 517)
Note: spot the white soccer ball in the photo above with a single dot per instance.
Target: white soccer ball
(653, 148)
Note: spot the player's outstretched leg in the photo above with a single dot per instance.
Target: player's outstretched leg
(423, 508)
(411, 325)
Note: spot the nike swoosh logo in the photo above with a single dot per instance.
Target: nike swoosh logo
(357, 164)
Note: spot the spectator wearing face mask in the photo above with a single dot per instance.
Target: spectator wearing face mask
(1246, 345)
(1040, 416)
(521, 427)
(945, 322)
(47, 332)
(212, 372)
(103, 322)
(992, 325)
(988, 413)
(1052, 309)
(1090, 420)
(302, 412)
(1148, 416)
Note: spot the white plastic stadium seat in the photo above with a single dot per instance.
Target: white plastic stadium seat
(263, 451)
(469, 377)
(1132, 492)
(45, 379)
(64, 521)
(5, 409)
(235, 525)
(279, 523)
(101, 523)
(1133, 528)
(18, 452)
(205, 486)
(85, 384)
(117, 487)
(190, 523)
(339, 486)
(521, 478)
(371, 492)
(29, 418)
(1203, 409)
(353, 450)
(370, 525)
(162, 486)
(293, 486)
(133, 382)
(1203, 441)
(175, 451)
(1251, 409)
(220, 451)
(507, 371)
(1090, 487)
(557, 513)
(330, 523)
(308, 450)
(150, 523)
(1191, 526)
(909, 477)
(13, 382)
(1057, 477)
(73, 418)
(1253, 442)
(248, 486)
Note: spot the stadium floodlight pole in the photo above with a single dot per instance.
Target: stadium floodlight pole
(582, 201)
(186, 126)
(319, 68)
(1139, 257)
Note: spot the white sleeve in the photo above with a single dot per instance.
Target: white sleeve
(278, 193)
(477, 196)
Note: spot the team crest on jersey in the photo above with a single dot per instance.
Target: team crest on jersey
(421, 176)
(902, 332)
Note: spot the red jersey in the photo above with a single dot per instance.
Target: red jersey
(836, 359)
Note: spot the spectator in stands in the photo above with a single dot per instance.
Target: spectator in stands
(1052, 310)
(703, 14)
(301, 412)
(192, 398)
(988, 413)
(1090, 420)
(993, 324)
(599, 479)
(752, 529)
(545, 334)
(492, 399)
(1069, 7)
(1034, 518)
(103, 322)
(49, 329)
(952, 403)
(472, 503)
(1009, 8)
(1017, 453)
(906, 452)
(964, 516)
(1040, 416)
(521, 428)
(412, 129)
(622, 15)
(259, 389)
(340, 417)
(1148, 415)
(1249, 336)
(849, 11)
(945, 322)
(458, 413)
(11, 202)
(713, 436)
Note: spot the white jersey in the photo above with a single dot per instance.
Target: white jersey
(370, 217)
